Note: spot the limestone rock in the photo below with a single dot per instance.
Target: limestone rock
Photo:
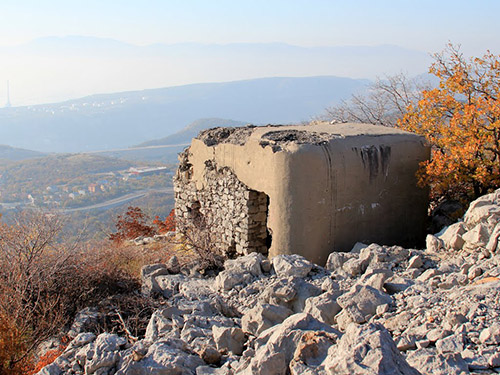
(433, 243)
(241, 270)
(291, 265)
(415, 262)
(335, 261)
(491, 335)
(280, 344)
(323, 307)
(367, 349)
(428, 362)
(360, 303)
(452, 236)
(262, 317)
(229, 339)
(168, 285)
(477, 236)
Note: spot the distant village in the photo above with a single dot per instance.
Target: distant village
(89, 189)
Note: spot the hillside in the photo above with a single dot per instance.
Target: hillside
(377, 309)
(186, 134)
(13, 153)
(119, 120)
(78, 180)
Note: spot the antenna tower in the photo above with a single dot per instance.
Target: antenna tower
(8, 96)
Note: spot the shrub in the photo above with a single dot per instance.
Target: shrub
(132, 225)
(44, 283)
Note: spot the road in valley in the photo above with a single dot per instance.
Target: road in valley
(115, 201)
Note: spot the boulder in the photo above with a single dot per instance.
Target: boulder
(366, 349)
(477, 236)
(452, 236)
(491, 335)
(241, 270)
(229, 340)
(335, 261)
(429, 362)
(280, 345)
(360, 304)
(170, 357)
(262, 317)
(323, 307)
(291, 265)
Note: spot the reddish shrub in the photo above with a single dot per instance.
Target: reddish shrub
(132, 225)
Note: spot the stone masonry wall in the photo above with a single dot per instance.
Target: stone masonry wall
(234, 214)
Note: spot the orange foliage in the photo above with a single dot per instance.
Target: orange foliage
(167, 225)
(461, 121)
(11, 345)
(132, 225)
(49, 357)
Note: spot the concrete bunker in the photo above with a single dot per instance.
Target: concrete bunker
(308, 190)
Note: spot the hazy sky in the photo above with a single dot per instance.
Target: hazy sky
(419, 24)
(422, 25)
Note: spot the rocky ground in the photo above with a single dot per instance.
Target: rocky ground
(374, 310)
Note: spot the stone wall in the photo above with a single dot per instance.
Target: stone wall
(235, 215)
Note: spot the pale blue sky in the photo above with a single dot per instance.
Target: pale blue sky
(424, 25)
(38, 74)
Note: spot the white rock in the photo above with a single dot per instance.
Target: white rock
(452, 236)
(491, 335)
(52, 369)
(168, 285)
(279, 344)
(335, 261)
(250, 263)
(169, 357)
(229, 339)
(262, 317)
(474, 272)
(241, 270)
(433, 244)
(477, 236)
(323, 307)
(494, 360)
(360, 303)
(479, 211)
(291, 265)
(429, 274)
(366, 349)
(429, 362)
(450, 344)
(416, 262)
(493, 244)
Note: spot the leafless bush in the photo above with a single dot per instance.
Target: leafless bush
(29, 266)
(44, 283)
(383, 103)
(196, 239)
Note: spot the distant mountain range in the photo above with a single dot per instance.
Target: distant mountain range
(15, 154)
(52, 69)
(111, 121)
(152, 150)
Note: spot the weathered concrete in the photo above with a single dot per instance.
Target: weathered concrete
(328, 186)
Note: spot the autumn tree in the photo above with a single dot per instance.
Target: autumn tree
(461, 120)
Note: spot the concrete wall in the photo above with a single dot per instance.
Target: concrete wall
(329, 186)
